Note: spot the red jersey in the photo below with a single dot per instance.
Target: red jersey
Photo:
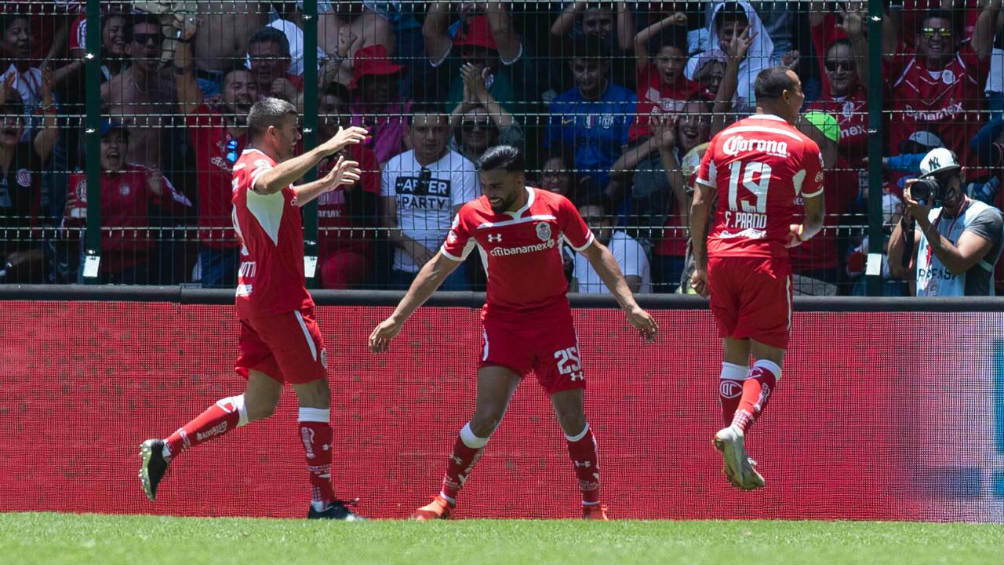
(656, 98)
(270, 280)
(333, 209)
(820, 252)
(207, 130)
(851, 113)
(125, 203)
(759, 166)
(521, 250)
(943, 102)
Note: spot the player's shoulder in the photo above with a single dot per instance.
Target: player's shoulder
(474, 210)
(546, 199)
(253, 159)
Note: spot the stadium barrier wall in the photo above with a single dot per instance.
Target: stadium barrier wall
(882, 413)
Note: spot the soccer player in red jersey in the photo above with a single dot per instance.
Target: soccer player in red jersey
(279, 338)
(526, 319)
(757, 167)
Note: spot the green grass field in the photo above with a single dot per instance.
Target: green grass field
(73, 538)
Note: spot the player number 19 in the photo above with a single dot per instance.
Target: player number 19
(758, 188)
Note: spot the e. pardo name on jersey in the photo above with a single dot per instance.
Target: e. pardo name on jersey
(739, 144)
(745, 220)
(521, 249)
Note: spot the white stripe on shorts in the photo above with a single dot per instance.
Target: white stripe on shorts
(484, 353)
(306, 334)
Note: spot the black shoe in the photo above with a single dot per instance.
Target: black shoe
(337, 510)
(153, 465)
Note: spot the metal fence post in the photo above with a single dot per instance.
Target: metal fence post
(92, 140)
(876, 236)
(310, 135)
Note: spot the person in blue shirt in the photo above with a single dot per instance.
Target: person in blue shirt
(594, 116)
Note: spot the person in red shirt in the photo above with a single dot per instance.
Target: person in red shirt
(939, 87)
(346, 250)
(128, 192)
(216, 132)
(279, 338)
(662, 87)
(527, 321)
(758, 167)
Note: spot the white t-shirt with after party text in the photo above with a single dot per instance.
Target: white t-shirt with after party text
(426, 197)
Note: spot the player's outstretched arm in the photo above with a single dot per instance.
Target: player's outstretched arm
(281, 175)
(606, 267)
(431, 275)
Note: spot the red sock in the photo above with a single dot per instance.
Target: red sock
(582, 449)
(757, 388)
(315, 432)
(466, 452)
(730, 389)
(218, 419)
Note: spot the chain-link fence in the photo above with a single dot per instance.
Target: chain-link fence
(612, 102)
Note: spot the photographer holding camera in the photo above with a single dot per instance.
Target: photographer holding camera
(951, 242)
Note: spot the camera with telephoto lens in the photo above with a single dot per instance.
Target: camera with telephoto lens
(926, 191)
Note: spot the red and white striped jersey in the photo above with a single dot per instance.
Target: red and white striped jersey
(758, 165)
(271, 279)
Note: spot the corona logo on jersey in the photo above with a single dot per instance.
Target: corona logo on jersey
(739, 144)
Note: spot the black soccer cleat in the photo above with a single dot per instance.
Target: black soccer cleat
(152, 466)
(337, 510)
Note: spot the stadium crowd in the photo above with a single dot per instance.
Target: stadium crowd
(612, 102)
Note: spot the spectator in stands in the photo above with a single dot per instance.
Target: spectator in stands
(356, 21)
(817, 261)
(217, 134)
(558, 175)
(377, 104)
(659, 199)
(593, 117)
(141, 94)
(939, 88)
(844, 96)
(113, 47)
(223, 41)
(269, 60)
(661, 55)
(290, 22)
(731, 20)
(16, 44)
(130, 196)
(597, 19)
(345, 248)
(22, 256)
(479, 122)
(611, 23)
(422, 190)
(951, 249)
(709, 70)
(630, 255)
(487, 40)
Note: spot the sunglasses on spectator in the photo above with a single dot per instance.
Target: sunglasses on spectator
(471, 125)
(145, 38)
(832, 66)
(932, 31)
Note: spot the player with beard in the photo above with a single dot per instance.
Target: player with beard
(217, 133)
(280, 340)
(526, 319)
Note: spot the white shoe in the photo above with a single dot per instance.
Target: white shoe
(738, 466)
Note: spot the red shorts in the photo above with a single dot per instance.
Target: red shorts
(545, 344)
(286, 347)
(751, 298)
